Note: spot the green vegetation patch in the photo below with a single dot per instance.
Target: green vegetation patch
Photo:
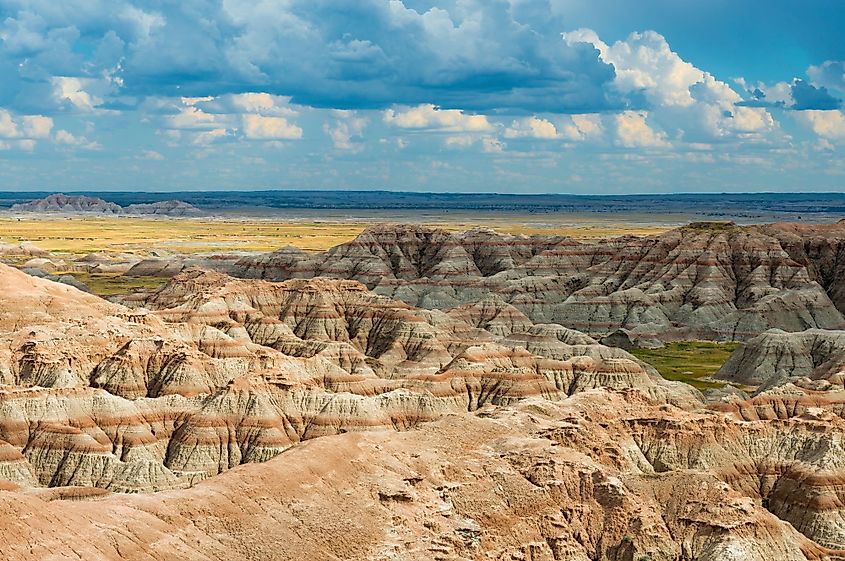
(688, 361)
(713, 226)
(113, 284)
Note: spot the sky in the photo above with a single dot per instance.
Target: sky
(512, 96)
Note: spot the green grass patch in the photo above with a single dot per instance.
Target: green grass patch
(113, 284)
(688, 361)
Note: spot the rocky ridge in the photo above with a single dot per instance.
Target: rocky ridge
(706, 280)
(59, 202)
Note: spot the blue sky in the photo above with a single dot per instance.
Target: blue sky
(571, 96)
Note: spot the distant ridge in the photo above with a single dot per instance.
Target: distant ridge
(59, 202)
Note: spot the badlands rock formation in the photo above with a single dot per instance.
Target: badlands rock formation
(705, 280)
(226, 371)
(602, 475)
(814, 358)
(59, 202)
(165, 208)
(428, 397)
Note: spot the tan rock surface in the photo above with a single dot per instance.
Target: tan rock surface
(536, 481)
(705, 280)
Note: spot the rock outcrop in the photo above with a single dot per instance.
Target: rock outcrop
(163, 208)
(59, 202)
(705, 280)
(335, 418)
(224, 371)
(814, 358)
(599, 476)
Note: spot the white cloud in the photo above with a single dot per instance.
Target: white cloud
(26, 145)
(459, 141)
(489, 144)
(8, 127)
(492, 145)
(193, 118)
(645, 63)
(431, 117)
(347, 125)
(686, 102)
(70, 89)
(207, 137)
(259, 127)
(828, 124)
(632, 131)
(151, 155)
(65, 137)
(581, 127)
(214, 118)
(532, 127)
(829, 74)
(254, 102)
(24, 128)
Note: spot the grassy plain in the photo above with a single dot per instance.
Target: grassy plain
(688, 361)
(81, 235)
(113, 284)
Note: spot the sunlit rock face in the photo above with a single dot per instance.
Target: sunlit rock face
(438, 387)
(705, 280)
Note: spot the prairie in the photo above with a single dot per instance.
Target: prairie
(78, 235)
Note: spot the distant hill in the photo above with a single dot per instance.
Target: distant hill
(59, 202)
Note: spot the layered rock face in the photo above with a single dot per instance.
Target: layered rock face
(706, 280)
(602, 475)
(814, 359)
(820, 248)
(59, 202)
(225, 371)
(316, 418)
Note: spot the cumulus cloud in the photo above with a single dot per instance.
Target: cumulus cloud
(532, 127)
(566, 128)
(30, 127)
(492, 145)
(257, 116)
(151, 155)
(474, 54)
(798, 95)
(209, 136)
(632, 131)
(69, 139)
(71, 90)
(259, 127)
(686, 102)
(827, 124)
(488, 144)
(431, 117)
(583, 127)
(346, 131)
(829, 74)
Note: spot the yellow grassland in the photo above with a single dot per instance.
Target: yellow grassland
(82, 235)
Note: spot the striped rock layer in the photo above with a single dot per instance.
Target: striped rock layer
(705, 280)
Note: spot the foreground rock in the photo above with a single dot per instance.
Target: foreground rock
(599, 476)
(313, 418)
(226, 371)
